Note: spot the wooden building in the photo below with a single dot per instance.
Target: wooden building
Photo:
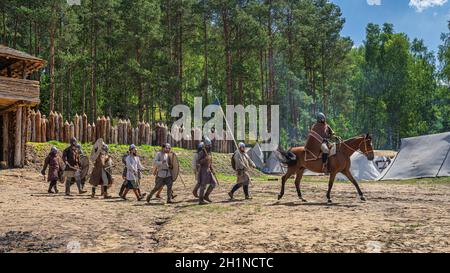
(17, 95)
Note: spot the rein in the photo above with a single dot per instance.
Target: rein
(366, 153)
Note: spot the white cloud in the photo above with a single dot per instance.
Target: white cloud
(421, 5)
(374, 2)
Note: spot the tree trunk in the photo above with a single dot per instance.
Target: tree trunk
(93, 98)
(60, 76)
(228, 57)
(69, 93)
(37, 46)
(293, 108)
(52, 67)
(271, 61)
(180, 53)
(262, 71)
(140, 86)
(240, 58)
(4, 39)
(205, 41)
(16, 26)
(83, 98)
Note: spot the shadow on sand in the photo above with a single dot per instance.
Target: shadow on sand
(311, 204)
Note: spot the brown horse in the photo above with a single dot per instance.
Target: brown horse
(340, 163)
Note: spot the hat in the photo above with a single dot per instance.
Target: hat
(132, 147)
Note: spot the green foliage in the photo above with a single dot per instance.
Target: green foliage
(136, 59)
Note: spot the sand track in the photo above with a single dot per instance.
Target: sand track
(396, 218)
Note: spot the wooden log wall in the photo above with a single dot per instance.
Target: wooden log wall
(54, 127)
(16, 128)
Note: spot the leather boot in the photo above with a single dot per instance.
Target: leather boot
(50, 187)
(208, 192)
(122, 189)
(93, 192)
(105, 193)
(202, 196)
(324, 163)
(246, 192)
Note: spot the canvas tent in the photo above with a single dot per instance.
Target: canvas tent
(274, 165)
(256, 155)
(420, 157)
(362, 169)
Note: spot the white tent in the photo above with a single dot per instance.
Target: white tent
(419, 157)
(361, 168)
(273, 165)
(257, 156)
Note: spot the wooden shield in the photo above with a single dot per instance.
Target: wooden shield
(313, 146)
(84, 160)
(174, 166)
(96, 149)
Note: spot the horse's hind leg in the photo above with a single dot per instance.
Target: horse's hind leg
(298, 180)
(284, 179)
(355, 183)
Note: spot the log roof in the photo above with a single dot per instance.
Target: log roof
(14, 63)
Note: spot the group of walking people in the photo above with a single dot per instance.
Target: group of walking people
(72, 168)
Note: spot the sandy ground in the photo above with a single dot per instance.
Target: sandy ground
(396, 218)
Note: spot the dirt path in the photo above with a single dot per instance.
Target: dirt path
(396, 218)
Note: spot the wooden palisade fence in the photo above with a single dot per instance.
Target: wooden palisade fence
(42, 129)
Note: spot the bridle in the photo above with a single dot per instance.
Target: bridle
(367, 151)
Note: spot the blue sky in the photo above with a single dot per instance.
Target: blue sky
(424, 19)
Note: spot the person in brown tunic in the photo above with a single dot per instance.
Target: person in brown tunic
(102, 173)
(206, 175)
(54, 164)
(324, 130)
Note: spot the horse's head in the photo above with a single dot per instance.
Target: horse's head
(366, 147)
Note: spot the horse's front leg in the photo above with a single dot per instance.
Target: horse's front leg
(330, 186)
(283, 183)
(355, 183)
(298, 180)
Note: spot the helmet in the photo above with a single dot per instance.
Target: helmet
(105, 147)
(132, 147)
(321, 117)
(200, 146)
(53, 150)
(242, 145)
(73, 141)
(207, 142)
(168, 146)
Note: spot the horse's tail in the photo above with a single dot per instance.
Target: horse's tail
(287, 157)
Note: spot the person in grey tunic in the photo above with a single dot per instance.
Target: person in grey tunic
(164, 175)
(243, 163)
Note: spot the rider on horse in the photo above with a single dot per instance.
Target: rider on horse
(324, 130)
